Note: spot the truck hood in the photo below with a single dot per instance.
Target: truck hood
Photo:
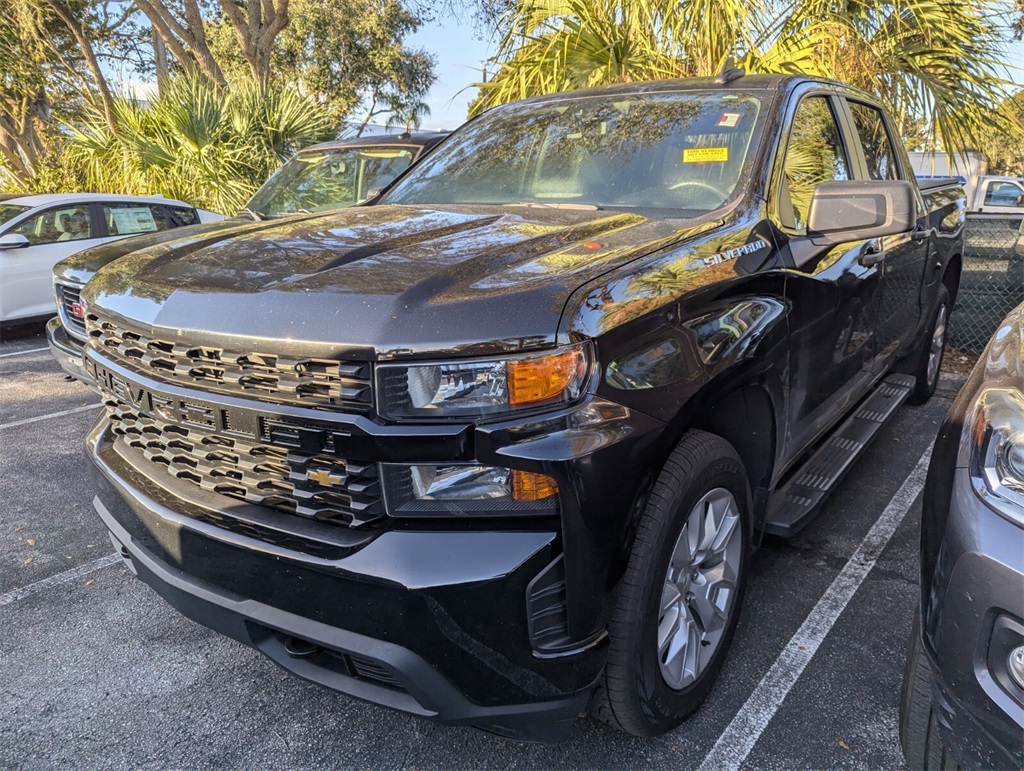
(82, 266)
(381, 281)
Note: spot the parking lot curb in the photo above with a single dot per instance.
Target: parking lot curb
(950, 384)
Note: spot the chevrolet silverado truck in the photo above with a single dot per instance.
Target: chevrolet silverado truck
(327, 176)
(497, 450)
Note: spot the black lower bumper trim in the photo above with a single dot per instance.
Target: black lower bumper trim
(374, 670)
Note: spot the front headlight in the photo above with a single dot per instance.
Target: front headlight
(427, 490)
(477, 388)
(997, 456)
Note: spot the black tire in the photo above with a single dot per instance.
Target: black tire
(926, 381)
(919, 730)
(632, 694)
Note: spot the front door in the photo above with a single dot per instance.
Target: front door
(27, 287)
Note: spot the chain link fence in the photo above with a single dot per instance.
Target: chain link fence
(992, 281)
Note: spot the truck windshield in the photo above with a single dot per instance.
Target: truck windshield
(667, 151)
(330, 179)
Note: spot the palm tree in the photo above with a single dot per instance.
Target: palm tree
(932, 60)
(198, 142)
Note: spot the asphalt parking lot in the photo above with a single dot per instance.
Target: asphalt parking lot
(96, 671)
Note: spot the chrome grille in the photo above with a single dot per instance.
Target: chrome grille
(325, 488)
(69, 305)
(317, 383)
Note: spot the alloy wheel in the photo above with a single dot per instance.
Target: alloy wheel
(699, 590)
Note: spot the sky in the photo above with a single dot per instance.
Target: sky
(460, 53)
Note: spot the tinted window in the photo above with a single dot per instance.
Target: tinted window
(814, 155)
(182, 216)
(125, 219)
(874, 138)
(67, 223)
(669, 151)
(330, 179)
(1002, 194)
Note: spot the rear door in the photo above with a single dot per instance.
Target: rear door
(833, 299)
(904, 256)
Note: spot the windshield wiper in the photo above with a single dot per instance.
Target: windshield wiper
(256, 215)
(571, 206)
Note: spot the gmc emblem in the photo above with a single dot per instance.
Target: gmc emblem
(78, 310)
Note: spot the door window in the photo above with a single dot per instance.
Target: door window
(815, 154)
(67, 223)
(1003, 194)
(125, 219)
(181, 215)
(874, 139)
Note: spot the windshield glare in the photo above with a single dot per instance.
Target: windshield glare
(9, 212)
(330, 179)
(671, 151)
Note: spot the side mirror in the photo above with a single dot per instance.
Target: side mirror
(856, 211)
(14, 241)
(373, 192)
(1020, 200)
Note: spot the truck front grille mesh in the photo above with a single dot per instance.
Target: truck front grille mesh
(317, 383)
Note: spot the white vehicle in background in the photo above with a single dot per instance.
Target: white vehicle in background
(38, 231)
(986, 193)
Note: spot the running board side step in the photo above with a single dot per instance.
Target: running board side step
(796, 503)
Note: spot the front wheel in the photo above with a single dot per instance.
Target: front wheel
(678, 601)
(930, 355)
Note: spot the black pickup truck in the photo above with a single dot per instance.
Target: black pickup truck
(498, 449)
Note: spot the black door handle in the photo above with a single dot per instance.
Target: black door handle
(920, 233)
(871, 254)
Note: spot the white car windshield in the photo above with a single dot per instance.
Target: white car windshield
(668, 151)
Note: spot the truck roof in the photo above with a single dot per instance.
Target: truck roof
(742, 83)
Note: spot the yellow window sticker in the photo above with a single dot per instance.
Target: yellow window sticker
(706, 155)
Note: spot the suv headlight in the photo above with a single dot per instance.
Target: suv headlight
(997, 454)
(472, 388)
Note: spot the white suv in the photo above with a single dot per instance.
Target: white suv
(37, 231)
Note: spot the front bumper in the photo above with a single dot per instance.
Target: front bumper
(972, 616)
(440, 623)
(68, 352)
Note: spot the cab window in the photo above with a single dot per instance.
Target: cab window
(67, 223)
(1003, 194)
(874, 139)
(814, 155)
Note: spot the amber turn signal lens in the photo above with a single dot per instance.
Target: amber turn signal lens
(542, 378)
(529, 486)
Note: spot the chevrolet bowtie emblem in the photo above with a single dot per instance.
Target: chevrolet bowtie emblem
(324, 477)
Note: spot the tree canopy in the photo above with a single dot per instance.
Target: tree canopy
(933, 62)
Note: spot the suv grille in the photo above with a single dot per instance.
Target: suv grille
(321, 487)
(69, 303)
(317, 383)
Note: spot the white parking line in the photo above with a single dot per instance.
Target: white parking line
(60, 414)
(22, 353)
(60, 578)
(742, 733)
